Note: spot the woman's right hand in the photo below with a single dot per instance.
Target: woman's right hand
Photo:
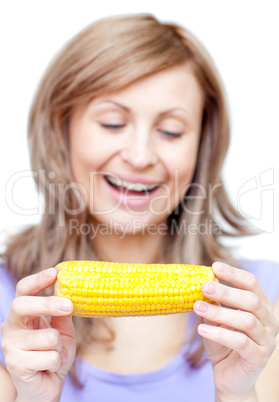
(39, 352)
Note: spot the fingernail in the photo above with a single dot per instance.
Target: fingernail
(219, 266)
(65, 305)
(204, 329)
(203, 307)
(209, 288)
(49, 272)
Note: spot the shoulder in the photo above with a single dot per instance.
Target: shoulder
(267, 273)
(7, 294)
(7, 291)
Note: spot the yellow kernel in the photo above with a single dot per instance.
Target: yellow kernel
(104, 288)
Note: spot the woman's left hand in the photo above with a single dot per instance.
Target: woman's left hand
(239, 340)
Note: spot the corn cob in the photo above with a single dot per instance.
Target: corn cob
(99, 288)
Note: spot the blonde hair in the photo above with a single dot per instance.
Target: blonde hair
(104, 57)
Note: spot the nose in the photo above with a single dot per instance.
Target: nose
(139, 151)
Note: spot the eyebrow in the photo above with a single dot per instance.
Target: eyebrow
(129, 110)
(115, 103)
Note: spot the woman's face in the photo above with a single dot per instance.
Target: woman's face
(134, 151)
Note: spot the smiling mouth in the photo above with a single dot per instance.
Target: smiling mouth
(130, 188)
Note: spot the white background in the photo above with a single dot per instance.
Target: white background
(241, 35)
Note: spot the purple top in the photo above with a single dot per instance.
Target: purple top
(175, 381)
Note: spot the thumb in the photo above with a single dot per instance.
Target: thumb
(65, 326)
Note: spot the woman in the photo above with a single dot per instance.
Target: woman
(128, 133)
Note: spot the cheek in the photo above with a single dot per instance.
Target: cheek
(184, 179)
(87, 159)
(87, 153)
(182, 174)
(182, 167)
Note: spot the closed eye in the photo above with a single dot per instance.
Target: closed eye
(171, 134)
(113, 126)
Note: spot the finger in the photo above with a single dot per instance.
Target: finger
(40, 340)
(230, 339)
(235, 319)
(34, 284)
(238, 299)
(64, 325)
(24, 307)
(44, 322)
(66, 329)
(34, 361)
(240, 279)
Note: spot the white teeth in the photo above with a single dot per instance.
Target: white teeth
(131, 186)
